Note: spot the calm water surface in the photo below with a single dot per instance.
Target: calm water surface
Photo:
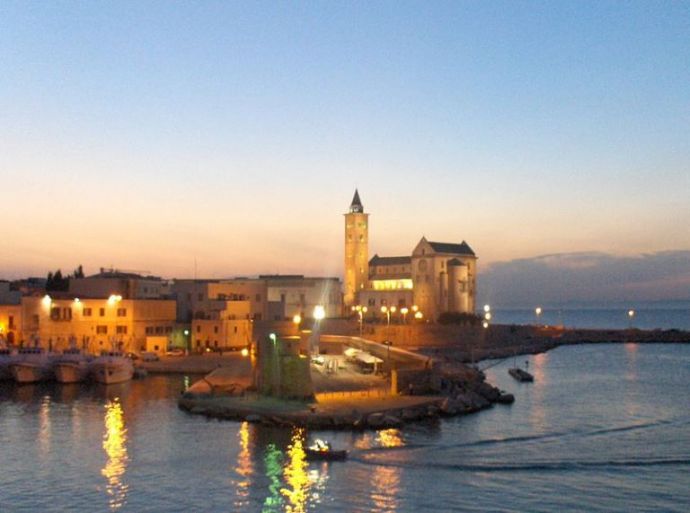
(603, 428)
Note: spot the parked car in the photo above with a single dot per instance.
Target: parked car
(175, 352)
(149, 356)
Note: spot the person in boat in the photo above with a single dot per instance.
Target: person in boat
(320, 445)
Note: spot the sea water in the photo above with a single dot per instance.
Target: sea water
(602, 428)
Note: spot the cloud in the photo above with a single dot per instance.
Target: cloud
(587, 277)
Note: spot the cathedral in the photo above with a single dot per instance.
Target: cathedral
(437, 277)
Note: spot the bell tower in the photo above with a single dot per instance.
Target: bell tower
(356, 251)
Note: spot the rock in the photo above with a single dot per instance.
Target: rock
(253, 418)
(410, 414)
(488, 392)
(375, 420)
(506, 398)
(432, 410)
(391, 421)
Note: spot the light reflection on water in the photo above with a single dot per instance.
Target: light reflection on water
(583, 424)
(296, 476)
(114, 445)
(244, 467)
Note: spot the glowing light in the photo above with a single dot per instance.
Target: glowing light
(384, 309)
(76, 300)
(415, 308)
(297, 319)
(403, 284)
(485, 324)
(537, 310)
(487, 316)
(273, 337)
(418, 315)
(393, 309)
(631, 313)
(186, 332)
(487, 308)
(112, 299)
(245, 352)
(114, 441)
(46, 300)
(404, 310)
(319, 312)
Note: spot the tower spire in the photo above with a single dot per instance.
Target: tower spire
(356, 205)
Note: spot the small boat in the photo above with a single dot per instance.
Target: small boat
(520, 375)
(72, 366)
(32, 365)
(112, 367)
(322, 451)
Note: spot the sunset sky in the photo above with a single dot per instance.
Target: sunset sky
(153, 135)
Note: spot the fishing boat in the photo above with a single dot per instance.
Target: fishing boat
(33, 364)
(72, 366)
(111, 367)
(322, 451)
(520, 375)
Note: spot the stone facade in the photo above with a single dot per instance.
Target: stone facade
(437, 277)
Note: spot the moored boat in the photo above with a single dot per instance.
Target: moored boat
(111, 367)
(520, 375)
(72, 366)
(32, 365)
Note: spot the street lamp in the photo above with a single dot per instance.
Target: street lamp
(631, 314)
(487, 308)
(404, 311)
(418, 316)
(537, 313)
(361, 310)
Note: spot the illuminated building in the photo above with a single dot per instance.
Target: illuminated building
(437, 277)
(356, 251)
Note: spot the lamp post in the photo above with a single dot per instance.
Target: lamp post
(537, 313)
(361, 310)
(631, 314)
(385, 310)
(404, 311)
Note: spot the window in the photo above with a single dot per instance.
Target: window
(102, 330)
(215, 329)
(55, 313)
(86, 312)
(159, 330)
(11, 321)
(122, 312)
(235, 329)
(149, 330)
(121, 330)
(198, 343)
(101, 312)
(168, 329)
(67, 314)
(198, 328)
